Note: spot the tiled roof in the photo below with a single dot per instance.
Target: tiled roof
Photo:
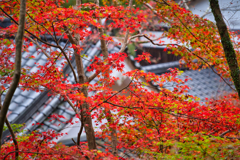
(204, 83)
(5, 23)
(23, 99)
(25, 103)
(34, 107)
(58, 105)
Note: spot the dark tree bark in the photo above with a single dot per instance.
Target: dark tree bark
(11, 131)
(85, 106)
(13, 138)
(17, 72)
(85, 119)
(227, 44)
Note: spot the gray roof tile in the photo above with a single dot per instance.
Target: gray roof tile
(24, 61)
(37, 55)
(12, 116)
(13, 105)
(205, 83)
(27, 102)
(64, 108)
(30, 62)
(19, 99)
(19, 109)
(32, 48)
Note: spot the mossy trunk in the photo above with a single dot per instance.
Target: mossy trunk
(227, 44)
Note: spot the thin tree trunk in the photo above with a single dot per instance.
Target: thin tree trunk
(87, 120)
(17, 72)
(113, 131)
(107, 112)
(14, 138)
(12, 133)
(84, 107)
(227, 44)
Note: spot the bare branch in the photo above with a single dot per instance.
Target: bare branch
(155, 12)
(69, 62)
(11, 131)
(113, 95)
(206, 12)
(39, 39)
(185, 4)
(224, 133)
(13, 137)
(35, 42)
(72, 105)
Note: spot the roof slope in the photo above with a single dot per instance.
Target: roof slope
(32, 107)
(203, 83)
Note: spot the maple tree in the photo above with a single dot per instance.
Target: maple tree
(163, 124)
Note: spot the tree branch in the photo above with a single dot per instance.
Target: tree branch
(39, 39)
(11, 131)
(224, 133)
(35, 42)
(17, 72)
(69, 62)
(13, 137)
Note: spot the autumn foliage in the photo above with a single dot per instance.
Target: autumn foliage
(151, 121)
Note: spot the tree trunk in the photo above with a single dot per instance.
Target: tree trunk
(107, 112)
(113, 131)
(227, 44)
(17, 72)
(85, 107)
(87, 120)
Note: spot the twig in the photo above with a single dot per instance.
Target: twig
(206, 12)
(69, 62)
(14, 138)
(39, 39)
(35, 42)
(193, 36)
(81, 119)
(196, 56)
(55, 37)
(40, 24)
(72, 105)
(103, 44)
(79, 148)
(155, 12)
(80, 132)
(11, 131)
(224, 133)
(126, 42)
(111, 96)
